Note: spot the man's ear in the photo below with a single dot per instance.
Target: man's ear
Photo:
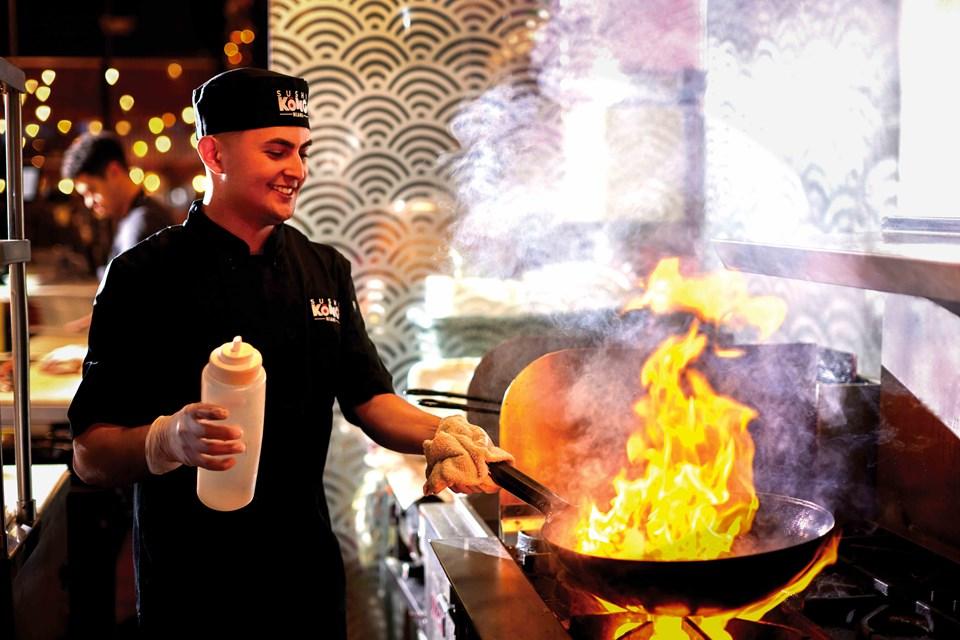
(210, 150)
(114, 169)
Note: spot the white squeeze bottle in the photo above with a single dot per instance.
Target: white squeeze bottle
(234, 379)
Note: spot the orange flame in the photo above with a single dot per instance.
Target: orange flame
(720, 297)
(688, 491)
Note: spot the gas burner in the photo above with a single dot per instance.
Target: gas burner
(892, 623)
(626, 626)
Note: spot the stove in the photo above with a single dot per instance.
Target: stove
(883, 587)
(896, 444)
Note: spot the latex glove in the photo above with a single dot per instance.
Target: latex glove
(191, 437)
(457, 457)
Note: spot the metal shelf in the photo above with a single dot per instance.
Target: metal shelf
(891, 262)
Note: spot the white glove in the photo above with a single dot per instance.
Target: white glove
(189, 437)
(457, 457)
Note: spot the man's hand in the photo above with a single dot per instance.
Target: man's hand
(457, 457)
(190, 437)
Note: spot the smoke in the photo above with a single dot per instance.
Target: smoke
(562, 173)
(564, 184)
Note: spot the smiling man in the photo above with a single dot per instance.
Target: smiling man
(234, 268)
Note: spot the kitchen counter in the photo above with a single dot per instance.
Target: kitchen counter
(912, 264)
(493, 592)
(50, 394)
(47, 480)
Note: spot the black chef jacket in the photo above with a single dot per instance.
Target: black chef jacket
(163, 307)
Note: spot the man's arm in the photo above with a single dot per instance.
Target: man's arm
(110, 456)
(392, 422)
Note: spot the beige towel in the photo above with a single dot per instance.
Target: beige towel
(457, 457)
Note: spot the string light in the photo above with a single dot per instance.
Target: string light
(43, 112)
(168, 119)
(187, 115)
(48, 76)
(37, 161)
(31, 85)
(65, 186)
(32, 129)
(140, 148)
(193, 140)
(200, 183)
(42, 93)
(95, 127)
(247, 36)
(155, 125)
(174, 70)
(231, 49)
(3, 185)
(111, 75)
(123, 127)
(63, 126)
(151, 182)
(162, 143)
(126, 102)
(136, 175)
(3, 126)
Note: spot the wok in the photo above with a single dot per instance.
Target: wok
(787, 535)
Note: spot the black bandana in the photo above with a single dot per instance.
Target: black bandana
(250, 98)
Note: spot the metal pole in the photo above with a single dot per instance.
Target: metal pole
(26, 505)
(12, 26)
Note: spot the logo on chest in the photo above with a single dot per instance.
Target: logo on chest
(326, 309)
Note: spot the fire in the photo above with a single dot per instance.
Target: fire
(688, 492)
(717, 297)
(713, 627)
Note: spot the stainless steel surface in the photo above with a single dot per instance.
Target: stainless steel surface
(12, 76)
(14, 251)
(866, 261)
(443, 521)
(919, 348)
(26, 505)
(414, 601)
(495, 596)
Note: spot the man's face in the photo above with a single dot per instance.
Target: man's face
(264, 170)
(103, 194)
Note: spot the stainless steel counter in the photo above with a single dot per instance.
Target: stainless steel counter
(496, 598)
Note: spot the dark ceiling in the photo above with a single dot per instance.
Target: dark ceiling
(126, 28)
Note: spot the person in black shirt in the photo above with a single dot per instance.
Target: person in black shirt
(234, 268)
(98, 167)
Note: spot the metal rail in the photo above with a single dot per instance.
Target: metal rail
(15, 253)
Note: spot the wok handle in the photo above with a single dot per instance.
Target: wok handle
(443, 404)
(526, 488)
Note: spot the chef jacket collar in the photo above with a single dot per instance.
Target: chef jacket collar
(223, 243)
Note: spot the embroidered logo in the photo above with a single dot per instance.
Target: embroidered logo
(292, 103)
(327, 309)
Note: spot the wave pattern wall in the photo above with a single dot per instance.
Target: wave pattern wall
(386, 79)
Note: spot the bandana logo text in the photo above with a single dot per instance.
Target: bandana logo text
(327, 309)
(292, 103)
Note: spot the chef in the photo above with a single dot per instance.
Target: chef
(234, 268)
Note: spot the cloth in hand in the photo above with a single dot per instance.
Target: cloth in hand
(457, 457)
